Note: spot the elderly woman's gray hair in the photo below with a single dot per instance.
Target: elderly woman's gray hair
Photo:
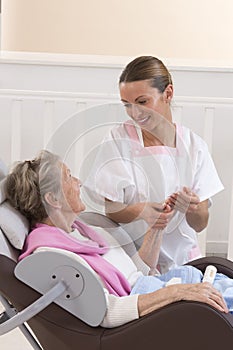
(29, 181)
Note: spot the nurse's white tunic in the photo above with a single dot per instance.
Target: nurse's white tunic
(125, 171)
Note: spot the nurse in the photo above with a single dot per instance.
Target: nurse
(152, 172)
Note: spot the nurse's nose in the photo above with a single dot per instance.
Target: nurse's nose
(136, 112)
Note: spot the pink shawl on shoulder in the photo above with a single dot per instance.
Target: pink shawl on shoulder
(91, 251)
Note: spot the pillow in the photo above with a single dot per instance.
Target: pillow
(14, 225)
(2, 191)
(3, 170)
(3, 173)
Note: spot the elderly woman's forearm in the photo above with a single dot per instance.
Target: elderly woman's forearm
(154, 301)
(149, 251)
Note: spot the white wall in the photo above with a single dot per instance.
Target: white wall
(40, 94)
(193, 29)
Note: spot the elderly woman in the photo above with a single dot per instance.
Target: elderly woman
(44, 191)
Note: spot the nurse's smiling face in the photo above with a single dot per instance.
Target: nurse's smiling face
(141, 99)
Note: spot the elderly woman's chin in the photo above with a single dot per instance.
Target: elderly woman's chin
(81, 207)
(75, 209)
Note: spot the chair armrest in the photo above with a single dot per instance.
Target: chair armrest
(223, 265)
(64, 281)
(182, 325)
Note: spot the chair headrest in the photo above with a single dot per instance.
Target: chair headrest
(14, 225)
(3, 173)
(2, 190)
(3, 170)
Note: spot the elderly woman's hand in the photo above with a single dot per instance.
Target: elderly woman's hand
(202, 292)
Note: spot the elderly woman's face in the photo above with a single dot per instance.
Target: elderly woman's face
(71, 192)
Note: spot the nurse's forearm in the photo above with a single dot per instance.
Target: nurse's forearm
(123, 213)
(198, 219)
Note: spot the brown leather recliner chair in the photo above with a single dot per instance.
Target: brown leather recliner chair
(181, 325)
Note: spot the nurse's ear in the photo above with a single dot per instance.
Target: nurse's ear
(168, 93)
(52, 200)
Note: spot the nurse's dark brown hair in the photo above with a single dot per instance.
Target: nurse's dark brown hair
(147, 68)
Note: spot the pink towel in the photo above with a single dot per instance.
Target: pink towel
(91, 251)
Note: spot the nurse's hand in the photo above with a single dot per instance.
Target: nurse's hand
(184, 201)
(156, 215)
(196, 212)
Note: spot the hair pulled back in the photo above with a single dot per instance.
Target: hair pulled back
(147, 68)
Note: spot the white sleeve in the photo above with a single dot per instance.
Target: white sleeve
(120, 310)
(111, 174)
(206, 180)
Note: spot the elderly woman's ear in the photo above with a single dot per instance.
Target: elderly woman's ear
(52, 200)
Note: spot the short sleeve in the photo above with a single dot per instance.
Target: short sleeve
(111, 174)
(206, 180)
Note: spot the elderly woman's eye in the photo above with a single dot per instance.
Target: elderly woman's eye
(142, 102)
(68, 176)
(127, 105)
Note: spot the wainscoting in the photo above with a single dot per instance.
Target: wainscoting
(67, 103)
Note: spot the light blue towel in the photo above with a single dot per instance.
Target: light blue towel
(148, 284)
(224, 285)
(187, 274)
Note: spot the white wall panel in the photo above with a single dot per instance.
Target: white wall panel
(74, 107)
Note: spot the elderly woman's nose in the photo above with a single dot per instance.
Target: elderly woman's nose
(79, 182)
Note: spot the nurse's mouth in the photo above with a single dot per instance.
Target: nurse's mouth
(144, 120)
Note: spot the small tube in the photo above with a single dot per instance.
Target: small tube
(209, 274)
